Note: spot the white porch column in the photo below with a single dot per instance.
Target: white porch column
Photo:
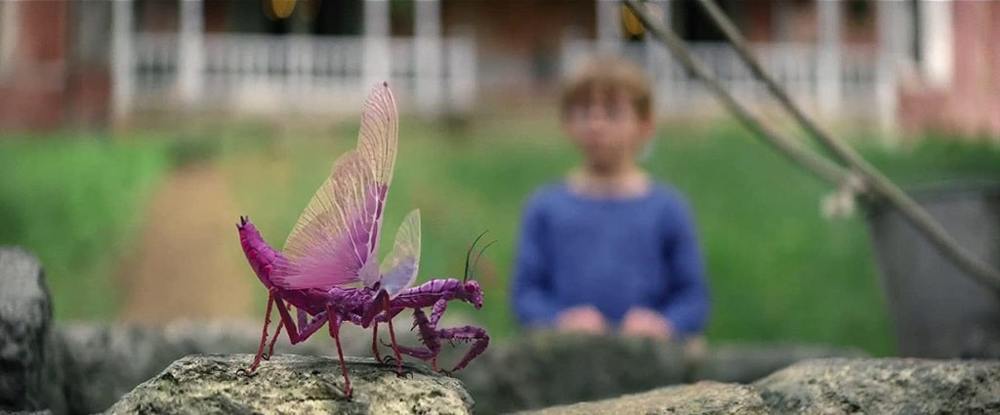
(123, 81)
(829, 57)
(609, 24)
(191, 57)
(461, 74)
(8, 34)
(300, 66)
(376, 43)
(657, 56)
(936, 37)
(890, 16)
(427, 28)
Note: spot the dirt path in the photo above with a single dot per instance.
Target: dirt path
(187, 262)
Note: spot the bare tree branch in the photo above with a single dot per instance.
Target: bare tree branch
(875, 181)
(819, 166)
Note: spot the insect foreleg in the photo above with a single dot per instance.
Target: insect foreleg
(466, 334)
(419, 353)
(428, 337)
(437, 311)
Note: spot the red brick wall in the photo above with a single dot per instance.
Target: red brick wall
(32, 93)
(971, 104)
(59, 71)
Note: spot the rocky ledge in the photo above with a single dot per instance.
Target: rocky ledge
(884, 386)
(826, 386)
(705, 398)
(293, 384)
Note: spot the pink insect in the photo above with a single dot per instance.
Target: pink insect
(328, 270)
(333, 245)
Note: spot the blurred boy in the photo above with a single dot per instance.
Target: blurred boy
(608, 249)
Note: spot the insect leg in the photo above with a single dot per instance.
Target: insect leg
(302, 316)
(467, 333)
(335, 321)
(294, 336)
(274, 339)
(418, 352)
(428, 336)
(309, 329)
(437, 311)
(375, 352)
(392, 337)
(263, 335)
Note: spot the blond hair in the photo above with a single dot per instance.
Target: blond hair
(606, 75)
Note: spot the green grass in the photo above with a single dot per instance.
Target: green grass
(73, 200)
(778, 270)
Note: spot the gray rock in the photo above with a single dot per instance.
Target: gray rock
(827, 386)
(105, 362)
(293, 384)
(29, 381)
(884, 386)
(544, 369)
(701, 398)
(746, 363)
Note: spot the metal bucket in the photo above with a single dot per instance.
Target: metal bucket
(938, 310)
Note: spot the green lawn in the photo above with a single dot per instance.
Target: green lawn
(777, 269)
(74, 200)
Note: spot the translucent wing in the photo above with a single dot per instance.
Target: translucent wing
(377, 144)
(399, 269)
(379, 135)
(332, 240)
(335, 239)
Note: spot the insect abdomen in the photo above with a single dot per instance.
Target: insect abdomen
(260, 255)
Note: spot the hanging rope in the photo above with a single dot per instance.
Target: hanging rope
(873, 181)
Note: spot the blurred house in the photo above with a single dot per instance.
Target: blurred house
(914, 64)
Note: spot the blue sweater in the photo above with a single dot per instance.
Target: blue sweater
(613, 254)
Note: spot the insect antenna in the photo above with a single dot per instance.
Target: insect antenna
(468, 255)
(475, 262)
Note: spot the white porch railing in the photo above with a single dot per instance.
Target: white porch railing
(308, 74)
(798, 68)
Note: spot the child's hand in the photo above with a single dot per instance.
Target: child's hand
(644, 322)
(584, 318)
